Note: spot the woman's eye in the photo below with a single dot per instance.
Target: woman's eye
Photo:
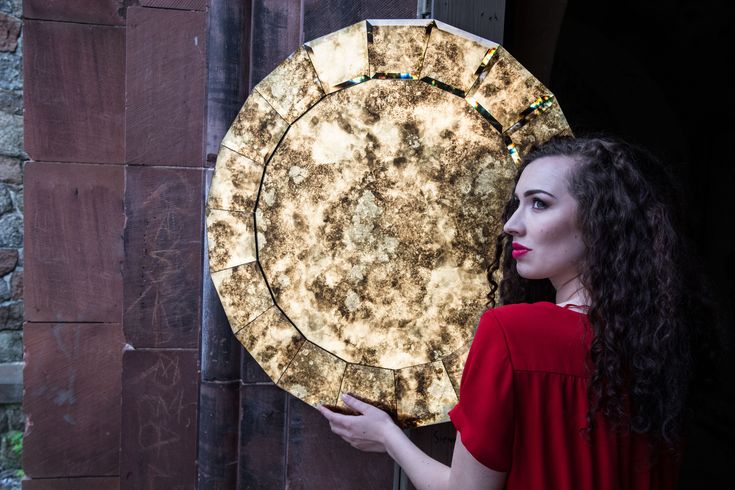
(538, 203)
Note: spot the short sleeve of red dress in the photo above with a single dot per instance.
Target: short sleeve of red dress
(484, 414)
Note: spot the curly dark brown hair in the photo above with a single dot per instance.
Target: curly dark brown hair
(654, 326)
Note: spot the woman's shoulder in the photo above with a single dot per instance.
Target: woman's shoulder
(540, 335)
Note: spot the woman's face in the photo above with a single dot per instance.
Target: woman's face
(545, 223)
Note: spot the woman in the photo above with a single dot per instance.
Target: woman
(581, 379)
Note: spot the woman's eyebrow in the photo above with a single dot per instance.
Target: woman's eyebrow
(535, 191)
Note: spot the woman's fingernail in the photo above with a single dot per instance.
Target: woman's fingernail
(345, 396)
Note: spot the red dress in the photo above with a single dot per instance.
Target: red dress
(523, 404)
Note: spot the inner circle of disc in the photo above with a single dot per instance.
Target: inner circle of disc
(375, 219)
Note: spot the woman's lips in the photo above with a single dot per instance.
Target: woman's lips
(519, 250)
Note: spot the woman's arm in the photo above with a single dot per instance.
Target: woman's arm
(374, 431)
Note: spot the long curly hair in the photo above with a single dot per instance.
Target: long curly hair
(654, 328)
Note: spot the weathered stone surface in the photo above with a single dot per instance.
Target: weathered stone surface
(11, 69)
(11, 387)
(9, 31)
(72, 399)
(11, 135)
(318, 458)
(111, 12)
(6, 202)
(94, 483)
(159, 419)
(175, 4)
(79, 209)
(8, 260)
(11, 315)
(11, 230)
(86, 123)
(4, 290)
(16, 285)
(219, 409)
(11, 170)
(11, 101)
(17, 195)
(163, 253)
(165, 81)
(11, 345)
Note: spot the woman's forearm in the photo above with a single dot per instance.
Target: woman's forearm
(424, 472)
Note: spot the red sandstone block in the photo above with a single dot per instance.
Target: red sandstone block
(72, 399)
(176, 4)
(313, 450)
(163, 257)
(159, 419)
(102, 483)
(74, 92)
(166, 87)
(86, 11)
(263, 426)
(73, 242)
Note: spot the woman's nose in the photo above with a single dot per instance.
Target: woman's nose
(513, 225)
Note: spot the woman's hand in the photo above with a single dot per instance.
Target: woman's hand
(367, 431)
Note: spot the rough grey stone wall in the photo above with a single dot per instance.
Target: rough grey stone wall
(12, 157)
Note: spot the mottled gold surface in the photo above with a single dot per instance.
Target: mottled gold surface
(256, 130)
(508, 89)
(370, 384)
(340, 56)
(231, 238)
(243, 293)
(314, 375)
(452, 59)
(425, 395)
(344, 263)
(235, 182)
(377, 208)
(397, 48)
(540, 128)
(272, 341)
(453, 364)
(293, 87)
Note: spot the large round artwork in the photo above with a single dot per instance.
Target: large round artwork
(355, 204)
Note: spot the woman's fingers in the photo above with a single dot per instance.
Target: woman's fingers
(356, 404)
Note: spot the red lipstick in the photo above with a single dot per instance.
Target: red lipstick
(519, 250)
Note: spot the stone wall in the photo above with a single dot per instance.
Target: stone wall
(12, 157)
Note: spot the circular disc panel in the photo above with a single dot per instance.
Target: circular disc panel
(355, 203)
